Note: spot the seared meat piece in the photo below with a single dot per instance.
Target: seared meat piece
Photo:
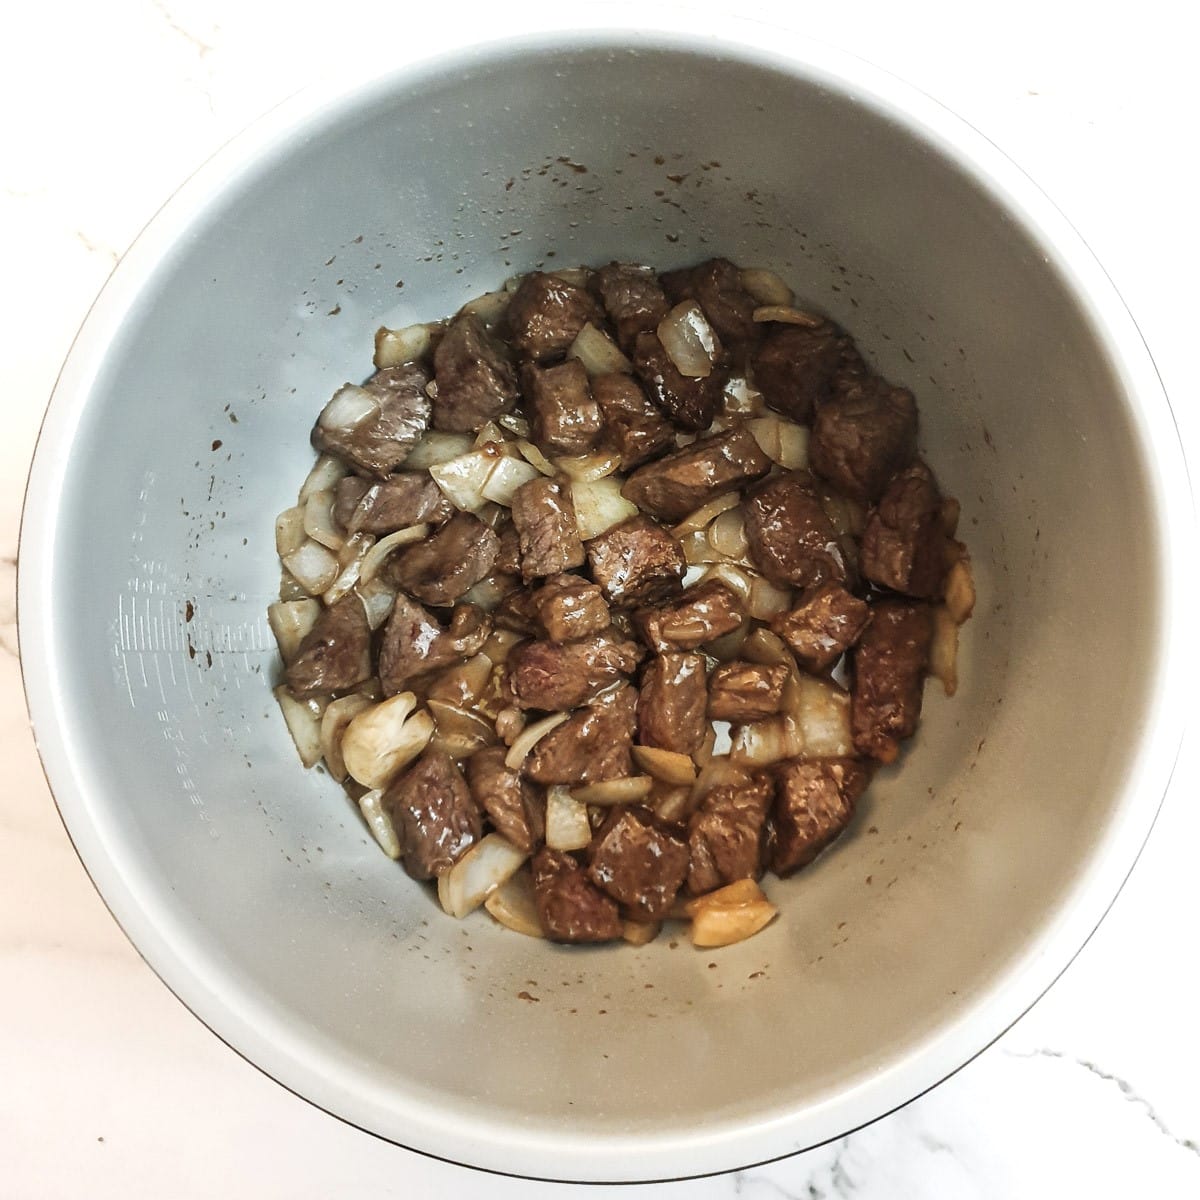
(639, 864)
(406, 498)
(814, 800)
(689, 402)
(569, 906)
(863, 436)
(546, 314)
(889, 676)
(716, 286)
(476, 382)
(823, 626)
(593, 745)
(508, 554)
(549, 537)
(743, 691)
(380, 443)
(336, 653)
(563, 417)
(568, 606)
(556, 676)
(633, 299)
(727, 833)
(678, 484)
(414, 642)
(797, 368)
(792, 540)
(436, 819)
(904, 544)
(701, 614)
(636, 562)
(517, 612)
(514, 806)
(633, 425)
(672, 702)
(451, 561)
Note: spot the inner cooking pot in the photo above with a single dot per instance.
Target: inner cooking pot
(973, 870)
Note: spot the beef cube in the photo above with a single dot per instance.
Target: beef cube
(791, 538)
(476, 381)
(889, 675)
(716, 286)
(414, 642)
(680, 483)
(570, 607)
(335, 654)
(814, 800)
(689, 402)
(514, 806)
(407, 498)
(743, 691)
(593, 745)
(436, 819)
(378, 444)
(633, 299)
(569, 906)
(633, 425)
(727, 833)
(517, 612)
(797, 368)
(701, 614)
(549, 537)
(563, 417)
(672, 703)
(638, 864)
(448, 563)
(508, 553)
(557, 676)
(863, 436)
(637, 562)
(546, 314)
(904, 543)
(823, 626)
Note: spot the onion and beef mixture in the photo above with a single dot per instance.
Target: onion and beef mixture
(609, 594)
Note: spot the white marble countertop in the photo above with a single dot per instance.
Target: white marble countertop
(108, 1086)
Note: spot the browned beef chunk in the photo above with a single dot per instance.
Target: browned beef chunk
(672, 702)
(716, 286)
(593, 745)
(639, 864)
(556, 676)
(407, 498)
(889, 676)
(508, 553)
(823, 626)
(415, 642)
(436, 819)
(546, 314)
(727, 833)
(336, 653)
(701, 614)
(517, 612)
(633, 425)
(814, 800)
(691, 403)
(476, 382)
(633, 299)
(563, 417)
(545, 519)
(863, 436)
(569, 906)
(743, 691)
(904, 543)
(796, 368)
(380, 443)
(568, 606)
(678, 484)
(514, 806)
(636, 562)
(448, 563)
(792, 540)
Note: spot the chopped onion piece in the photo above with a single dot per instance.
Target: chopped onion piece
(376, 555)
(458, 731)
(577, 276)
(463, 479)
(598, 353)
(349, 408)
(742, 400)
(668, 765)
(567, 824)
(377, 598)
(960, 590)
(289, 531)
(706, 513)
(333, 724)
(436, 447)
(729, 645)
(943, 651)
(785, 314)
(730, 914)
(370, 804)
(820, 711)
(698, 552)
(530, 736)
(487, 593)
(395, 347)
(607, 792)
(290, 622)
(767, 600)
(313, 566)
(672, 804)
(782, 441)
(354, 552)
(499, 643)
(640, 933)
(509, 723)
(463, 683)
(385, 737)
(587, 468)
(736, 580)
(517, 425)
(289, 588)
(303, 720)
(764, 647)
(599, 505)
(491, 434)
(765, 286)
(727, 534)
(490, 862)
(489, 307)
(323, 477)
(949, 514)
(507, 475)
(533, 455)
(689, 340)
(766, 741)
(512, 904)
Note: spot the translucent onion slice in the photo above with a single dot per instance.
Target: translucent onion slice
(459, 731)
(463, 479)
(599, 505)
(333, 724)
(764, 647)
(766, 600)
(667, 765)
(782, 441)
(464, 683)
(303, 719)
(313, 566)
(323, 477)
(672, 804)
(735, 579)
(378, 599)
(395, 347)
(727, 534)
(377, 554)
(768, 741)
(640, 933)
(489, 307)
(706, 513)
(350, 407)
(608, 792)
(517, 425)
(785, 314)
(689, 340)
(289, 531)
(512, 904)
(820, 712)
(765, 286)
(492, 434)
(943, 652)
(535, 457)
(730, 914)
(598, 353)
(436, 447)
(698, 552)
(507, 475)
(499, 643)
(587, 468)
(370, 804)
(530, 736)
(353, 555)
(729, 645)
(290, 622)
(382, 739)
(492, 861)
(742, 400)
(577, 276)
(960, 590)
(567, 824)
